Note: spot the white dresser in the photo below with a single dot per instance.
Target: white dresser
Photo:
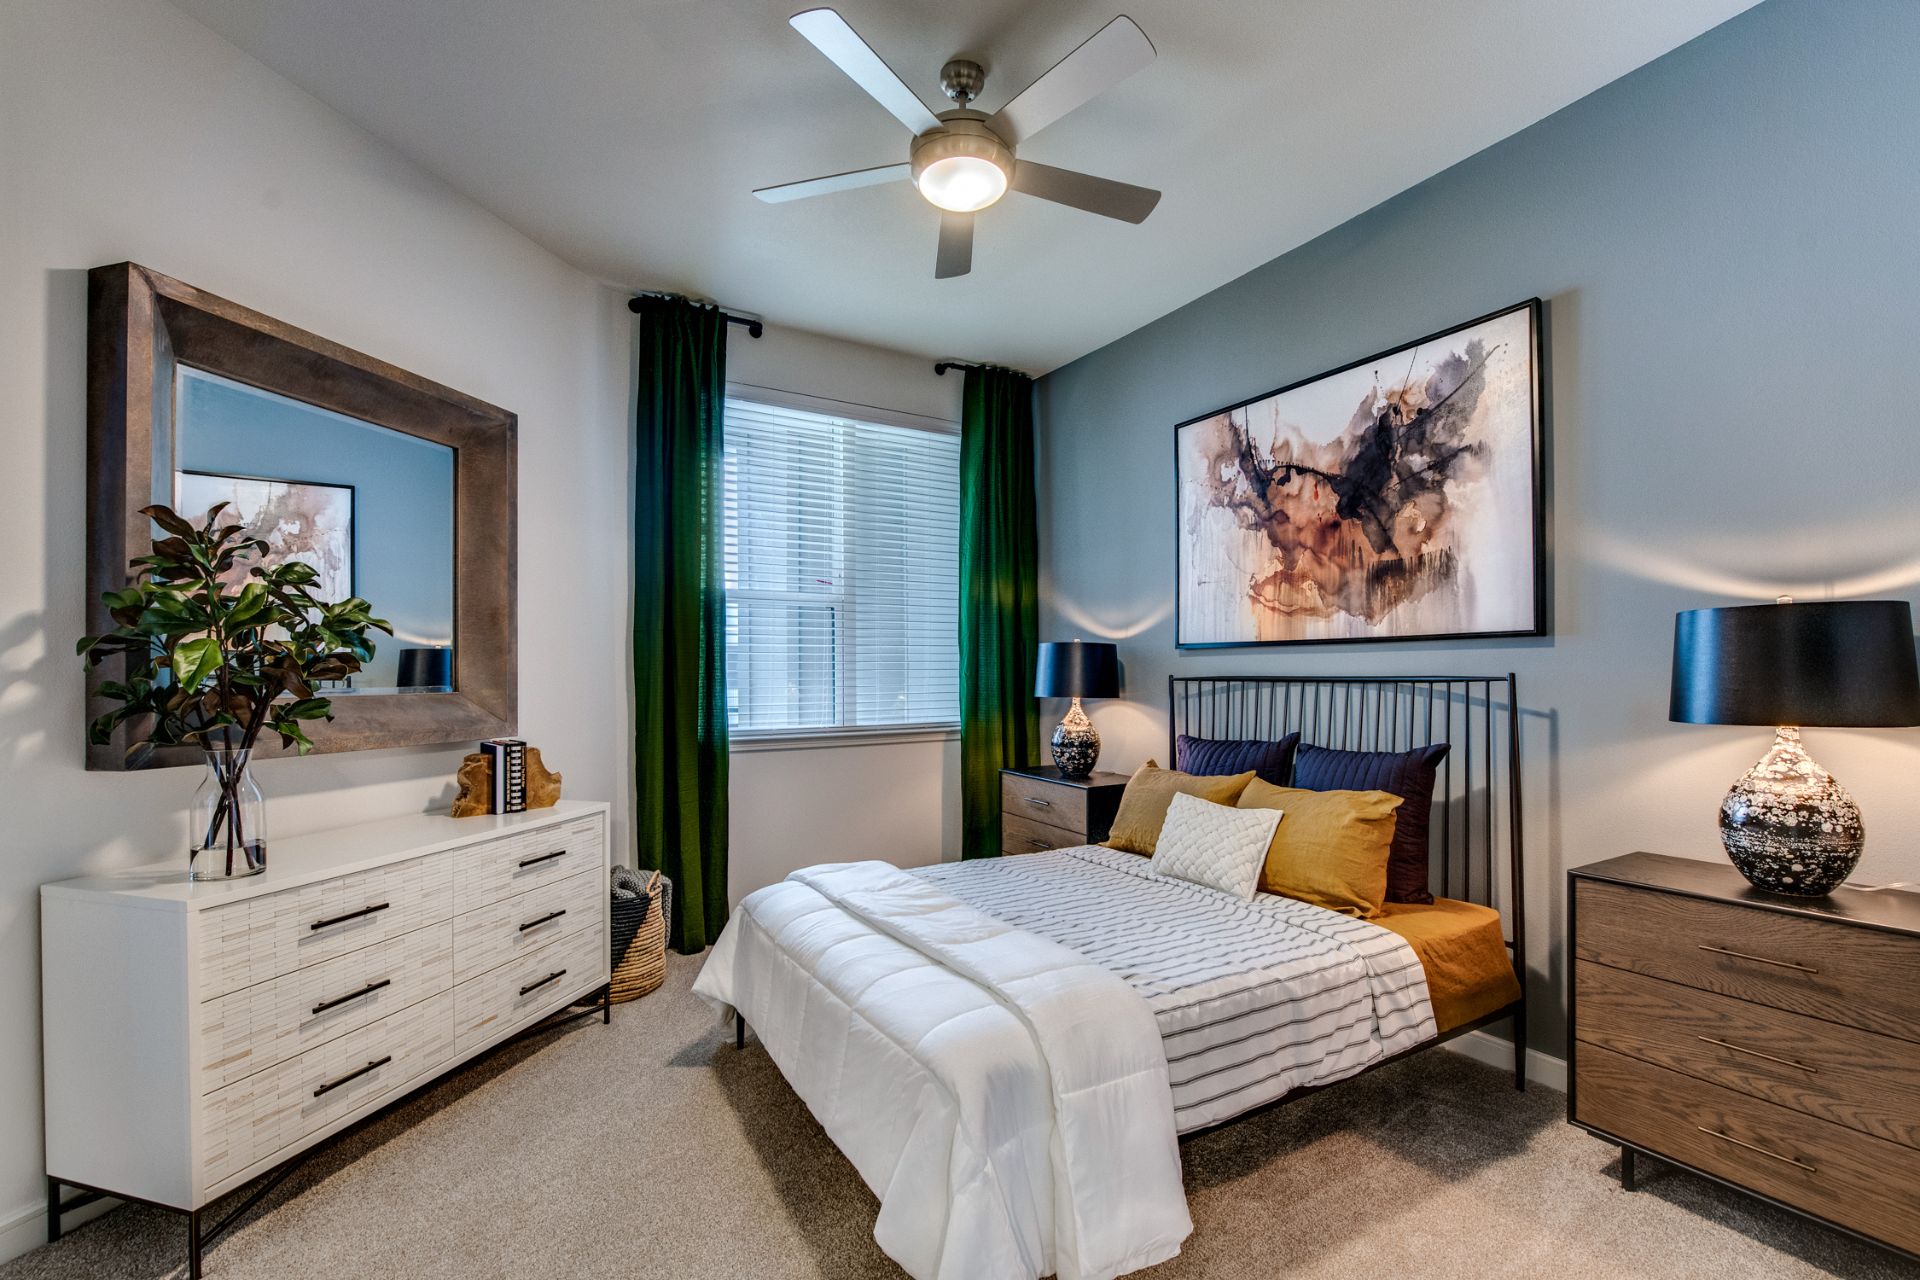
(199, 1035)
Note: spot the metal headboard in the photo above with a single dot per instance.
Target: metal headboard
(1476, 801)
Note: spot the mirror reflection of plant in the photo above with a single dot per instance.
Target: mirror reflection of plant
(216, 666)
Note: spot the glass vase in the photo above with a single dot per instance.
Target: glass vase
(229, 819)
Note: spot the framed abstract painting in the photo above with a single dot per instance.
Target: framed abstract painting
(298, 520)
(1395, 498)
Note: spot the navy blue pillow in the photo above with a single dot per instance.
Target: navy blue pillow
(1210, 757)
(1407, 774)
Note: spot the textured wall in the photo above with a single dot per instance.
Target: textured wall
(1725, 240)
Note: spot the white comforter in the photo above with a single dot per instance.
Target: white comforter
(1006, 1099)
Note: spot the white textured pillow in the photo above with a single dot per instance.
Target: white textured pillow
(1215, 845)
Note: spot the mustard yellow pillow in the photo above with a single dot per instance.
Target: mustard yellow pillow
(1143, 805)
(1330, 848)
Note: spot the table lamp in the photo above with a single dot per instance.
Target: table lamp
(1788, 825)
(1075, 669)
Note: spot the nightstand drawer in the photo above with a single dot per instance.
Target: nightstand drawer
(1861, 977)
(1837, 1173)
(1044, 802)
(1856, 1078)
(1022, 835)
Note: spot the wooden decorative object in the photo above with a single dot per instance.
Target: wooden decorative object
(141, 326)
(476, 785)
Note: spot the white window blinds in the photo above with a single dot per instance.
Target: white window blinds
(842, 572)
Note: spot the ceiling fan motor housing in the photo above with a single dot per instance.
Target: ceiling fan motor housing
(958, 135)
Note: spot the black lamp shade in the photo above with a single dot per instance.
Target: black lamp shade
(1076, 669)
(426, 668)
(1847, 663)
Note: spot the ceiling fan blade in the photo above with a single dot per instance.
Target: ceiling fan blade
(1114, 52)
(1103, 196)
(955, 257)
(828, 32)
(834, 182)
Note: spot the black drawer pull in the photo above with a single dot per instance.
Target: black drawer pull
(545, 857)
(551, 915)
(1741, 955)
(337, 1001)
(1771, 1155)
(351, 1076)
(351, 915)
(1764, 1057)
(532, 987)
(1037, 802)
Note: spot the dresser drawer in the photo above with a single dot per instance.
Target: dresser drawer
(1865, 978)
(1048, 803)
(514, 864)
(490, 936)
(256, 1027)
(1023, 835)
(1838, 1173)
(527, 988)
(259, 939)
(1865, 1081)
(249, 1121)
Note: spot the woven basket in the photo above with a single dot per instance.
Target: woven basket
(644, 967)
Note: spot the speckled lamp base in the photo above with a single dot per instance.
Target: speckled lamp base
(1788, 826)
(1076, 747)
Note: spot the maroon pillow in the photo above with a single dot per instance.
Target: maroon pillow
(1407, 774)
(1210, 757)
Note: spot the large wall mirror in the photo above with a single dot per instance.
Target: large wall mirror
(391, 487)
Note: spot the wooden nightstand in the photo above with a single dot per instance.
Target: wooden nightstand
(1042, 809)
(1769, 1043)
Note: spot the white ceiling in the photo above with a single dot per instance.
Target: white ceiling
(626, 135)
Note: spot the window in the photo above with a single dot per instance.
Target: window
(842, 572)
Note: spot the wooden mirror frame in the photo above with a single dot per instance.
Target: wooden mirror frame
(141, 325)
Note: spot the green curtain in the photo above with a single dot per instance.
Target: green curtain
(999, 598)
(679, 613)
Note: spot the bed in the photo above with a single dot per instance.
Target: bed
(1009, 1051)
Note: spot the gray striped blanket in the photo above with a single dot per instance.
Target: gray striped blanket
(1253, 999)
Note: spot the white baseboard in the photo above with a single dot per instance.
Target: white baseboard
(26, 1230)
(1542, 1068)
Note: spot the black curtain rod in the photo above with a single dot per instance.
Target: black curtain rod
(754, 327)
(944, 365)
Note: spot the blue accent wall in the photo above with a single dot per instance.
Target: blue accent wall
(1728, 243)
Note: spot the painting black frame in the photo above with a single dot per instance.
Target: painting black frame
(353, 509)
(1536, 314)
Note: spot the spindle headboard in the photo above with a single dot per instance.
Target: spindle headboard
(1476, 801)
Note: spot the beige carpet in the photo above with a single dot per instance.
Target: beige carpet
(652, 1149)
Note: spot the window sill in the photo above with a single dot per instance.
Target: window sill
(814, 739)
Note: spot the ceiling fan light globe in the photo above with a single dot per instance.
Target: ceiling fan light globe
(963, 184)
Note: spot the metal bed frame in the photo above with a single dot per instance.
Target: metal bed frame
(1476, 802)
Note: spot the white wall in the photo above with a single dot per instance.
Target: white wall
(899, 801)
(127, 131)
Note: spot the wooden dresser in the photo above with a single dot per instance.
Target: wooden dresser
(200, 1035)
(1042, 808)
(1770, 1043)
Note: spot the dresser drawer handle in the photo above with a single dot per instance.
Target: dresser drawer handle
(1764, 1057)
(1037, 802)
(532, 987)
(1771, 1155)
(337, 1001)
(1741, 955)
(351, 915)
(1033, 843)
(351, 1076)
(535, 924)
(545, 857)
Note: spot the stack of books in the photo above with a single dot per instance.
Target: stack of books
(507, 768)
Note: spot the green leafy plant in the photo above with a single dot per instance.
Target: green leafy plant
(216, 665)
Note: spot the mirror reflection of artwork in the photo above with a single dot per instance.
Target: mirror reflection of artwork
(369, 507)
(1396, 498)
(298, 520)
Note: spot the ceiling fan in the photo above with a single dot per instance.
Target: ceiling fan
(962, 160)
